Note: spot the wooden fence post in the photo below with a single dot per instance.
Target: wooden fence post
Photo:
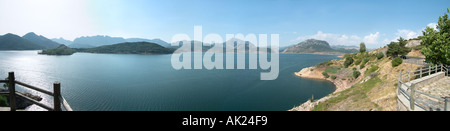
(12, 91)
(56, 96)
(411, 97)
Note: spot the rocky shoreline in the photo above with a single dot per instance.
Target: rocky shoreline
(316, 73)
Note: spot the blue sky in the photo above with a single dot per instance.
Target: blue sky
(343, 22)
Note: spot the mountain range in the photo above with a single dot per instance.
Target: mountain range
(239, 46)
(101, 40)
(313, 46)
(41, 40)
(130, 48)
(30, 41)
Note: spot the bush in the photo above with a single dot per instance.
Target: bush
(357, 62)
(362, 66)
(366, 60)
(356, 74)
(373, 68)
(325, 74)
(333, 77)
(364, 63)
(380, 55)
(3, 101)
(397, 61)
(348, 61)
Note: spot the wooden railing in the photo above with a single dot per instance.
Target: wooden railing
(58, 100)
(411, 90)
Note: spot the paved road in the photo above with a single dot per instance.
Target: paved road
(415, 60)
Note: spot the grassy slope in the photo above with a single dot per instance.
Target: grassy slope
(377, 93)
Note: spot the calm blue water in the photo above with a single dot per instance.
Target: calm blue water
(148, 82)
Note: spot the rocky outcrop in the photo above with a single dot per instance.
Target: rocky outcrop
(413, 42)
(22, 103)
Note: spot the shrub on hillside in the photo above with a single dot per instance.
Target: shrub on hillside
(325, 74)
(357, 62)
(364, 63)
(333, 77)
(3, 101)
(397, 61)
(356, 74)
(380, 55)
(348, 61)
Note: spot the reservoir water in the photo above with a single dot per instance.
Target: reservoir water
(128, 82)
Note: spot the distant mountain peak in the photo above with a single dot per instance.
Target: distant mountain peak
(14, 42)
(41, 40)
(310, 42)
(31, 33)
(313, 46)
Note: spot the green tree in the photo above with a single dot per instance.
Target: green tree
(356, 74)
(393, 49)
(362, 47)
(348, 61)
(398, 48)
(437, 42)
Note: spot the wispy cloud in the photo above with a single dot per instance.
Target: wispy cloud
(433, 25)
(343, 39)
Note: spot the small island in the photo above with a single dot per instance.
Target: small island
(61, 50)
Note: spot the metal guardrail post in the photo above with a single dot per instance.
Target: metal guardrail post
(420, 72)
(56, 96)
(12, 91)
(409, 75)
(447, 104)
(411, 97)
(435, 71)
(429, 70)
(399, 84)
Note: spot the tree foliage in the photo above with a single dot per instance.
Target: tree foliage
(437, 42)
(362, 47)
(348, 61)
(380, 55)
(398, 48)
(325, 74)
(59, 51)
(356, 74)
(397, 61)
